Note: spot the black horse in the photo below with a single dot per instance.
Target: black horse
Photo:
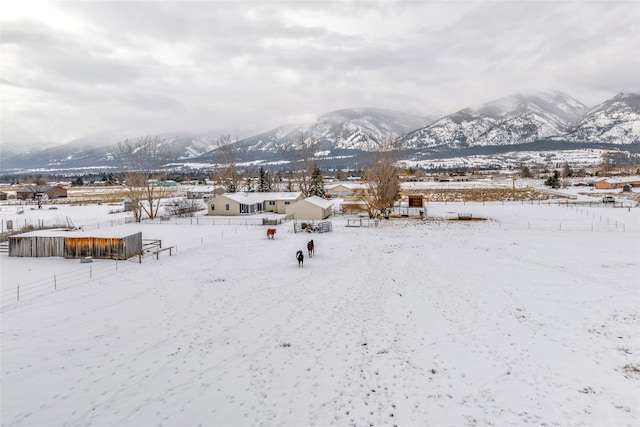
(311, 248)
(300, 258)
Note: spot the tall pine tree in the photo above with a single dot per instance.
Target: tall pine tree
(264, 185)
(316, 186)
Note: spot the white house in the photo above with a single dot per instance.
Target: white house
(204, 191)
(242, 203)
(313, 208)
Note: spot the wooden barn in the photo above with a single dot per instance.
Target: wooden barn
(106, 244)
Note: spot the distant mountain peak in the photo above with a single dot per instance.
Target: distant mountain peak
(513, 119)
(614, 121)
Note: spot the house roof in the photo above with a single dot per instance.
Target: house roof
(252, 198)
(620, 180)
(33, 188)
(202, 189)
(349, 185)
(319, 201)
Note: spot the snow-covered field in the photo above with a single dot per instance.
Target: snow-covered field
(531, 317)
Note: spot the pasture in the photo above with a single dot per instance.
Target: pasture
(529, 317)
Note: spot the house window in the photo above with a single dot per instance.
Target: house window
(227, 206)
(287, 203)
(213, 207)
(272, 202)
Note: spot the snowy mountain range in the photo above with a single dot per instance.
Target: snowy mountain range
(518, 121)
(515, 119)
(615, 121)
(361, 129)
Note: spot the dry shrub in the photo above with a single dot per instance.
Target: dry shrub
(481, 195)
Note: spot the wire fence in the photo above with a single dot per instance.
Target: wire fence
(84, 274)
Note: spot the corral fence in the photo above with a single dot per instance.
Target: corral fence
(312, 227)
(362, 222)
(271, 221)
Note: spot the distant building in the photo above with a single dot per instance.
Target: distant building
(613, 183)
(205, 191)
(31, 192)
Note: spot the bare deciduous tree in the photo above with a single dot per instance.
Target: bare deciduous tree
(301, 155)
(383, 181)
(228, 176)
(608, 164)
(142, 163)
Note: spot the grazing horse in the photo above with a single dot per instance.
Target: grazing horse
(271, 233)
(310, 248)
(300, 258)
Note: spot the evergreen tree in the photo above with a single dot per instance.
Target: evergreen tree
(264, 185)
(554, 180)
(316, 187)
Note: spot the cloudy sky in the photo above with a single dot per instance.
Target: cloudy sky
(72, 69)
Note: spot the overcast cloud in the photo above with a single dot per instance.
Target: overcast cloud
(72, 69)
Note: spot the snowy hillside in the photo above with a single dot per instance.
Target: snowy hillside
(615, 121)
(98, 150)
(515, 119)
(516, 320)
(352, 129)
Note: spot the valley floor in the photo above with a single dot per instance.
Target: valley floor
(529, 317)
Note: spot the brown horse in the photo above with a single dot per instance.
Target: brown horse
(271, 233)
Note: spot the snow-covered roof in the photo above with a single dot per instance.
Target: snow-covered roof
(619, 180)
(319, 201)
(349, 185)
(111, 232)
(251, 198)
(202, 189)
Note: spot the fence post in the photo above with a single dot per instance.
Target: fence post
(55, 284)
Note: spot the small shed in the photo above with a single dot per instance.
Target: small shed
(105, 244)
(313, 208)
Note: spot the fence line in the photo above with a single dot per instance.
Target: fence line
(85, 274)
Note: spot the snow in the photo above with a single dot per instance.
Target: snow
(529, 317)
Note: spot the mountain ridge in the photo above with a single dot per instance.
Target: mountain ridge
(511, 121)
